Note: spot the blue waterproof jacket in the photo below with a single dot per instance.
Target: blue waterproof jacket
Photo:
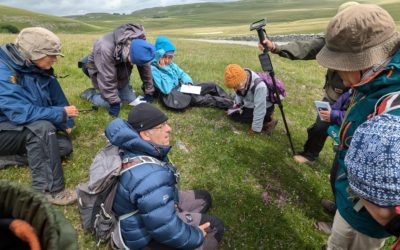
(151, 189)
(167, 77)
(27, 93)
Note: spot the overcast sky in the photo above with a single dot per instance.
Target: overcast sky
(79, 7)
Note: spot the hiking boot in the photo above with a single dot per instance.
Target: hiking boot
(325, 227)
(329, 206)
(88, 93)
(270, 126)
(302, 160)
(62, 198)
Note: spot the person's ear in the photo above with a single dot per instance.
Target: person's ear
(145, 135)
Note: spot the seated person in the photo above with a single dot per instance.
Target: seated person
(168, 76)
(167, 218)
(251, 104)
(35, 116)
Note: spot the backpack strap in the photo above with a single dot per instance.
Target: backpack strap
(256, 82)
(128, 164)
(132, 162)
(125, 216)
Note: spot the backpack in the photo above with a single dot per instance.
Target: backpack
(83, 64)
(271, 90)
(96, 197)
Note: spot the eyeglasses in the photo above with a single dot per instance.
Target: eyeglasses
(240, 86)
(161, 126)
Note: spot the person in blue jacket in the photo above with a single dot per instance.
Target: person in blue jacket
(168, 76)
(35, 116)
(166, 217)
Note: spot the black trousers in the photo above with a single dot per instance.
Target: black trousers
(317, 134)
(246, 116)
(211, 95)
(43, 146)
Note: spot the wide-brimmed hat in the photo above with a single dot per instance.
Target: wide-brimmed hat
(36, 42)
(359, 37)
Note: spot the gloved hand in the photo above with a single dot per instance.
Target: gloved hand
(147, 98)
(114, 109)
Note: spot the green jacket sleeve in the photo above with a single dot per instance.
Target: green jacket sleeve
(300, 50)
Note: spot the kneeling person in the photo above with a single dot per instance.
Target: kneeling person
(251, 104)
(166, 217)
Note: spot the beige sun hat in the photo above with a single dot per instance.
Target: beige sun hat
(359, 37)
(36, 42)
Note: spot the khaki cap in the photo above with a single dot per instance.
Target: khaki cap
(359, 37)
(37, 42)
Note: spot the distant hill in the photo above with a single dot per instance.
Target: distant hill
(278, 12)
(20, 19)
(200, 19)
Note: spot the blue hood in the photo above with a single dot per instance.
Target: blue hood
(120, 133)
(13, 58)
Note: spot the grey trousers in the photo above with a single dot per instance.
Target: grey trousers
(192, 209)
(41, 146)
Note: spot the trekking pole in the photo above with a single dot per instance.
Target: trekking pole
(93, 108)
(266, 66)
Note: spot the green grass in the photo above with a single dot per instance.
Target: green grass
(22, 18)
(236, 167)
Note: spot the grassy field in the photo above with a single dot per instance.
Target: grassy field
(219, 155)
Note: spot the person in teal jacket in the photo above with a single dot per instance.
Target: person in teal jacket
(362, 44)
(168, 76)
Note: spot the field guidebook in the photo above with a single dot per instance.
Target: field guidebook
(190, 89)
(321, 105)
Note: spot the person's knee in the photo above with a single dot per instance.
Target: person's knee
(45, 126)
(205, 196)
(65, 146)
(215, 224)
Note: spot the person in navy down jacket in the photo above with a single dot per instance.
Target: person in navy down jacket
(166, 217)
(35, 116)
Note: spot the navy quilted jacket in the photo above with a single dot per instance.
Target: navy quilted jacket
(149, 188)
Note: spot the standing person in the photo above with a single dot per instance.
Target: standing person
(110, 64)
(333, 89)
(35, 116)
(251, 104)
(362, 45)
(168, 76)
(374, 152)
(166, 217)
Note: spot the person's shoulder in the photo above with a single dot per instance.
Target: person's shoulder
(6, 74)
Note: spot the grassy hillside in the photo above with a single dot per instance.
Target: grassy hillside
(310, 16)
(21, 18)
(219, 155)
